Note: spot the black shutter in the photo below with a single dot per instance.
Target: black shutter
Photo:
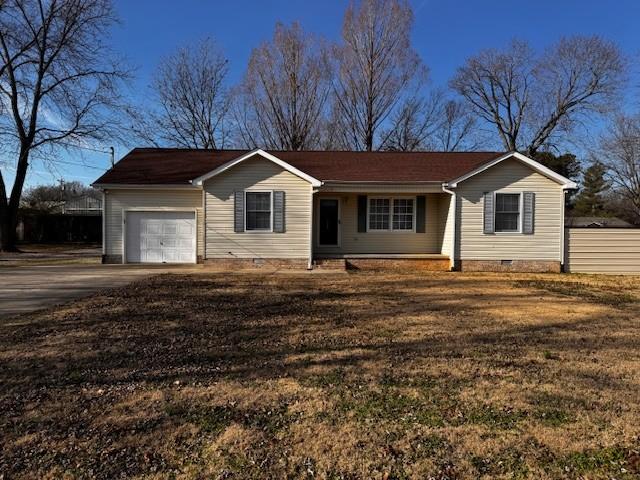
(489, 213)
(362, 213)
(278, 212)
(421, 202)
(528, 210)
(238, 212)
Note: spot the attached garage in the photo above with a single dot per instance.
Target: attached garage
(160, 236)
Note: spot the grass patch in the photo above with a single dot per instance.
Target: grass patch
(494, 418)
(214, 419)
(550, 355)
(600, 294)
(553, 417)
(283, 375)
(509, 463)
(333, 379)
(210, 419)
(603, 460)
(388, 405)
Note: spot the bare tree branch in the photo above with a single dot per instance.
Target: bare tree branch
(282, 100)
(620, 153)
(531, 98)
(376, 66)
(192, 100)
(431, 123)
(60, 81)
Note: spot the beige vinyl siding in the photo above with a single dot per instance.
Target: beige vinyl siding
(371, 242)
(603, 250)
(257, 174)
(118, 200)
(510, 176)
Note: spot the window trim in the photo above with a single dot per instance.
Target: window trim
(391, 200)
(259, 230)
(520, 212)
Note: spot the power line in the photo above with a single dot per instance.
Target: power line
(77, 164)
(73, 145)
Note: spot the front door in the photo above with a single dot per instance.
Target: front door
(329, 220)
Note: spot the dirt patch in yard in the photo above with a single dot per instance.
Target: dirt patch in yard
(328, 376)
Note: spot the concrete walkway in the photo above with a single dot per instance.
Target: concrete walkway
(29, 288)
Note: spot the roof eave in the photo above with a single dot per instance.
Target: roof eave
(537, 166)
(258, 151)
(150, 186)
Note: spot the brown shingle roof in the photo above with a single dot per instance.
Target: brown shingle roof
(148, 166)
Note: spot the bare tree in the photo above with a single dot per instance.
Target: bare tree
(59, 85)
(376, 67)
(192, 100)
(531, 99)
(282, 100)
(620, 153)
(434, 122)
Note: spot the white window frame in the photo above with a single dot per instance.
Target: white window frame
(259, 230)
(391, 200)
(520, 212)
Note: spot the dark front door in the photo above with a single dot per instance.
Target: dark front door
(328, 221)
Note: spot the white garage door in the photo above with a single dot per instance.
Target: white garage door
(161, 237)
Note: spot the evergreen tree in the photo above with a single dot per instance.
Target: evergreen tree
(566, 164)
(591, 199)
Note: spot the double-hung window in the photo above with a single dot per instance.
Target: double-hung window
(391, 214)
(258, 211)
(379, 209)
(507, 215)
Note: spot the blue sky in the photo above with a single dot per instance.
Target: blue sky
(445, 33)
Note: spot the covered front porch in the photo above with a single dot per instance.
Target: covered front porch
(379, 226)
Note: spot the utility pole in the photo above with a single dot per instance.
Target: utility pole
(62, 193)
(113, 155)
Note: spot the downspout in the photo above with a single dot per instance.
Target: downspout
(311, 220)
(455, 222)
(204, 226)
(104, 226)
(562, 235)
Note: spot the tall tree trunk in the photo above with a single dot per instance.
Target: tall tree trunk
(9, 210)
(8, 223)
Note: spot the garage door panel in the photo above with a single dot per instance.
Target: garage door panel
(149, 242)
(161, 237)
(183, 243)
(185, 228)
(151, 227)
(170, 227)
(152, 255)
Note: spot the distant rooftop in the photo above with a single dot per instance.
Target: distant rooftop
(595, 222)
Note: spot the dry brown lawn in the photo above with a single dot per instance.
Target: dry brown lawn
(328, 376)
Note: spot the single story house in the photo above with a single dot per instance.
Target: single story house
(430, 210)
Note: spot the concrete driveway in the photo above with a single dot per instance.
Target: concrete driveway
(28, 288)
